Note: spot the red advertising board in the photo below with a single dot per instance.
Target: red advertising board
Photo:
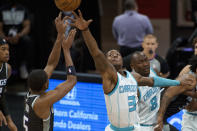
(155, 9)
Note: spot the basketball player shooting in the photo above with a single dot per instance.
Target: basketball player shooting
(38, 114)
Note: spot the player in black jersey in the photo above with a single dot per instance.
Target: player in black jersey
(38, 114)
(5, 72)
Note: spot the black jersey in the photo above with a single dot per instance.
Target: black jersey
(3, 78)
(31, 122)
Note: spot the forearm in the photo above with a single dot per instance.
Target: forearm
(100, 60)
(166, 99)
(157, 82)
(55, 53)
(1, 30)
(91, 43)
(62, 89)
(26, 29)
(67, 57)
(163, 82)
(69, 62)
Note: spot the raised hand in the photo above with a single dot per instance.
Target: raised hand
(60, 23)
(79, 22)
(67, 42)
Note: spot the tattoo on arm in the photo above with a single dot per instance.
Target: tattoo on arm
(145, 81)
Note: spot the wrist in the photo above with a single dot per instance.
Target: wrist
(86, 29)
(66, 50)
(70, 70)
(59, 36)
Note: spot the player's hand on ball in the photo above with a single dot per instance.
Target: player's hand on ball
(61, 24)
(79, 22)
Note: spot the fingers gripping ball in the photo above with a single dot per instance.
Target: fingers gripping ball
(67, 5)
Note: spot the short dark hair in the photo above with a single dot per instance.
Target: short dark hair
(133, 55)
(193, 63)
(129, 4)
(37, 78)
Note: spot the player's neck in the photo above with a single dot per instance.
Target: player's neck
(122, 72)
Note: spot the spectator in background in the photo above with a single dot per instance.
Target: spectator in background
(149, 46)
(15, 27)
(130, 28)
(157, 63)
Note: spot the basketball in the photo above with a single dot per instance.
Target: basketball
(67, 5)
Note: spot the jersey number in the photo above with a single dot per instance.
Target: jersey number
(25, 119)
(153, 103)
(132, 103)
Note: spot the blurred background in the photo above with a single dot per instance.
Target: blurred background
(174, 23)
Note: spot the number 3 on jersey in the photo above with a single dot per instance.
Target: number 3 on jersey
(132, 103)
(153, 103)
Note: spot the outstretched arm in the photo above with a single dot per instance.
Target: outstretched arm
(42, 105)
(55, 53)
(106, 69)
(184, 80)
(62, 89)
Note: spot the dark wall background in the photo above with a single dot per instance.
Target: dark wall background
(175, 30)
